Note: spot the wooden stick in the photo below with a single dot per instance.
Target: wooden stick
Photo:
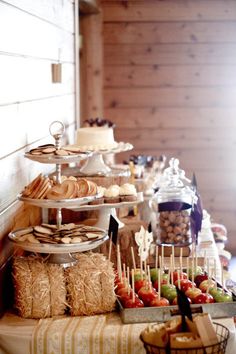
(172, 270)
(110, 247)
(173, 254)
(181, 261)
(168, 279)
(141, 268)
(119, 263)
(124, 272)
(149, 278)
(162, 256)
(178, 277)
(133, 258)
(187, 268)
(128, 280)
(159, 283)
(156, 259)
(133, 288)
(192, 272)
(204, 261)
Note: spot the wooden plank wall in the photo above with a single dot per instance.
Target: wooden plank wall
(34, 34)
(170, 86)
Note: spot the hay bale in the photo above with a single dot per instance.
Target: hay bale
(90, 285)
(40, 289)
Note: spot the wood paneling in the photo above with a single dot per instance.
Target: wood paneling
(170, 87)
(91, 61)
(168, 10)
(170, 54)
(169, 117)
(170, 75)
(169, 32)
(170, 97)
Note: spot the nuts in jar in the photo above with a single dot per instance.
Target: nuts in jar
(174, 227)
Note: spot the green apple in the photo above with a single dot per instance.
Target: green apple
(223, 297)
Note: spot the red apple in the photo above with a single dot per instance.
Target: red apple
(147, 295)
(186, 284)
(207, 284)
(182, 275)
(133, 304)
(163, 281)
(140, 284)
(192, 292)
(203, 298)
(159, 302)
(119, 285)
(200, 278)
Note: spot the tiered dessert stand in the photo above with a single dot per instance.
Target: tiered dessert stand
(59, 253)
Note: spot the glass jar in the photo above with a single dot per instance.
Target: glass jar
(175, 200)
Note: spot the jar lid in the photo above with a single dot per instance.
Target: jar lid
(174, 185)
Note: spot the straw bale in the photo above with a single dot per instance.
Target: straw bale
(40, 289)
(22, 287)
(57, 289)
(90, 285)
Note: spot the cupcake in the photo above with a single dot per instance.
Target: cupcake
(112, 194)
(128, 193)
(100, 199)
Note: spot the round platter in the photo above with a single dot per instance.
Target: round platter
(58, 248)
(63, 203)
(52, 158)
(120, 147)
(110, 205)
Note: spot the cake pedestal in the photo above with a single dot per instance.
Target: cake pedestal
(95, 165)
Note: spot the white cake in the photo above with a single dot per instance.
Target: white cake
(96, 138)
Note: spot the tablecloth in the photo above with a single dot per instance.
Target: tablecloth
(101, 334)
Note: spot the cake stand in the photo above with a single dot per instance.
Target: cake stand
(59, 253)
(95, 164)
(107, 209)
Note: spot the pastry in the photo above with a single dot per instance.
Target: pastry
(185, 340)
(112, 194)
(155, 334)
(128, 193)
(100, 199)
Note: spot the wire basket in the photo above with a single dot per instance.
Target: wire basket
(222, 333)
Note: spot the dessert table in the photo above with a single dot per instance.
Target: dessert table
(104, 334)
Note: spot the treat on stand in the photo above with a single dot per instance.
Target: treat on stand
(96, 138)
(66, 234)
(43, 187)
(51, 150)
(112, 194)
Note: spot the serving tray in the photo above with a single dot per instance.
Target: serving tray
(156, 314)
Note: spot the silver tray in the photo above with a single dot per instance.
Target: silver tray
(62, 203)
(58, 248)
(50, 159)
(162, 314)
(110, 205)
